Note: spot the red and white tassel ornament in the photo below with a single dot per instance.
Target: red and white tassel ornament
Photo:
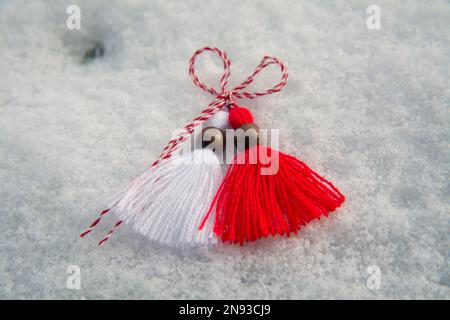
(184, 199)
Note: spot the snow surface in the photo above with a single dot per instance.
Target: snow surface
(368, 109)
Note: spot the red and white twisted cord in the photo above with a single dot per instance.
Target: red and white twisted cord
(223, 98)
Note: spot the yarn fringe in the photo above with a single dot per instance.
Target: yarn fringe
(166, 203)
(249, 205)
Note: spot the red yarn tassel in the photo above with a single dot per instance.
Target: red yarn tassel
(249, 205)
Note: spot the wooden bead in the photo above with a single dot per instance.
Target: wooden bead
(248, 135)
(213, 138)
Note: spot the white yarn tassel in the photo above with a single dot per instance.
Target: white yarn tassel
(168, 202)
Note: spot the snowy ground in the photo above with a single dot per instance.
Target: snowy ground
(368, 109)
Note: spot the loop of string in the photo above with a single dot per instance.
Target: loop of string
(222, 99)
(236, 92)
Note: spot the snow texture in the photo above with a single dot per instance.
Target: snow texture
(368, 109)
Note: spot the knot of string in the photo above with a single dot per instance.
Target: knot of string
(223, 98)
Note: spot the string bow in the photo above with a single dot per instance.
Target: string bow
(223, 99)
